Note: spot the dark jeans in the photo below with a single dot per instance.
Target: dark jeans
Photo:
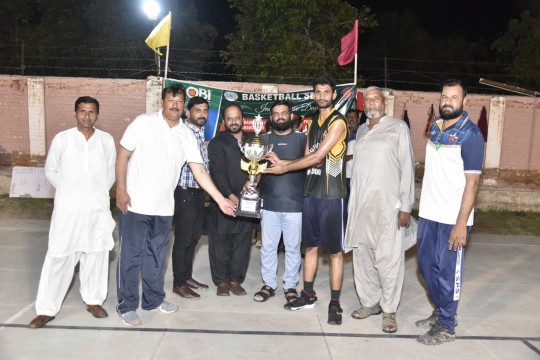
(189, 218)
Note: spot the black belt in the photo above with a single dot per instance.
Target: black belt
(192, 189)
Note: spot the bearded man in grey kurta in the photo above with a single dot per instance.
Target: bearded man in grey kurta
(380, 203)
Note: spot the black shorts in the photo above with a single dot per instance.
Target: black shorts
(323, 224)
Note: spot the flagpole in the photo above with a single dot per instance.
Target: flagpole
(355, 68)
(158, 63)
(166, 64)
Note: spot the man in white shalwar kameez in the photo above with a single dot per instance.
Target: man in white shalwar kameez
(380, 203)
(80, 165)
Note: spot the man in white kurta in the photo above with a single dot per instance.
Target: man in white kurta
(80, 165)
(381, 199)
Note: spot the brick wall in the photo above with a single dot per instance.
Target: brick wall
(520, 147)
(122, 100)
(14, 135)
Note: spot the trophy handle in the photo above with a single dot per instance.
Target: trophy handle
(241, 146)
(270, 148)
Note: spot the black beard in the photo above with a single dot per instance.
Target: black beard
(231, 131)
(284, 126)
(198, 121)
(451, 115)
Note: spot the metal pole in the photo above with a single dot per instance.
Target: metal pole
(158, 62)
(385, 74)
(22, 58)
(156, 58)
(355, 68)
(166, 65)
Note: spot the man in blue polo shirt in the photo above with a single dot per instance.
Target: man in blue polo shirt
(454, 157)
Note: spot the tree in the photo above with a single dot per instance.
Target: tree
(101, 38)
(520, 47)
(418, 59)
(291, 41)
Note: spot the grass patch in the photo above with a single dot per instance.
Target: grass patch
(30, 208)
(25, 208)
(507, 222)
(503, 222)
(487, 222)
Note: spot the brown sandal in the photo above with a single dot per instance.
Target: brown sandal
(389, 321)
(365, 312)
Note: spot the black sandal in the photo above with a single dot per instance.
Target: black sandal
(265, 296)
(291, 299)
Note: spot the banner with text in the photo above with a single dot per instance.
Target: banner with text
(254, 104)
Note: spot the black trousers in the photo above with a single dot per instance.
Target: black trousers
(229, 256)
(189, 219)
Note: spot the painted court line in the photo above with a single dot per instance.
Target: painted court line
(531, 346)
(18, 315)
(267, 333)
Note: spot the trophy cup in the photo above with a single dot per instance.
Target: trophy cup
(255, 149)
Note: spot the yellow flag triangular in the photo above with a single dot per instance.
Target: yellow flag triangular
(161, 34)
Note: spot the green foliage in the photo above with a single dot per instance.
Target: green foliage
(291, 41)
(100, 38)
(520, 46)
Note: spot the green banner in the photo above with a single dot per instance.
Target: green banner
(212, 95)
(254, 104)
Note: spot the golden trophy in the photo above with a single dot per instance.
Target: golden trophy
(255, 150)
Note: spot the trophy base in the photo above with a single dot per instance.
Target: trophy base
(249, 208)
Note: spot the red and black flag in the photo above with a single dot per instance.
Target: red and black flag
(406, 118)
(483, 124)
(429, 124)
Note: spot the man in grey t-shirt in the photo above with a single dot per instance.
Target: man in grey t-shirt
(282, 206)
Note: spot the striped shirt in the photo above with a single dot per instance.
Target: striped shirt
(186, 176)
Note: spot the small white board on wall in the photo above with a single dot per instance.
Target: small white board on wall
(30, 182)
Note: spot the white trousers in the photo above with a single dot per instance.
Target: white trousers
(57, 274)
(378, 273)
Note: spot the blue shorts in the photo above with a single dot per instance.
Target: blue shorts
(323, 224)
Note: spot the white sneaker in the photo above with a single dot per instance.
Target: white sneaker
(166, 307)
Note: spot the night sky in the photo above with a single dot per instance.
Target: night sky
(473, 19)
(448, 33)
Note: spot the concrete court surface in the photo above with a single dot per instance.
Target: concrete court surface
(498, 313)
